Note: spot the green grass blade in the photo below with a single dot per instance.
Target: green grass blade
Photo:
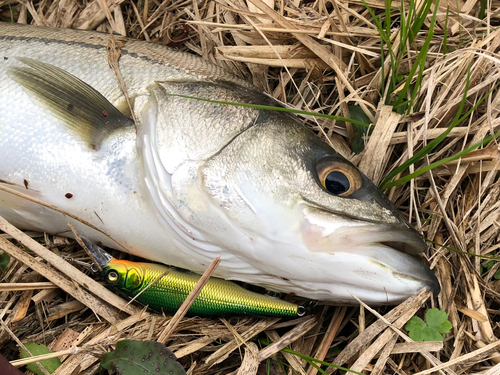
(416, 89)
(388, 17)
(420, 18)
(310, 360)
(271, 108)
(317, 368)
(427, 168)
(385, 40)
(431, 145)
(384, 37)
(419, 155)
(482, 10)
(463, 252)
(421, 57)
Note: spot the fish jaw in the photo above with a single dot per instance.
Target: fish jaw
(369, 257)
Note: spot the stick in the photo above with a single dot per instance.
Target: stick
(67, 269)
(169, 329)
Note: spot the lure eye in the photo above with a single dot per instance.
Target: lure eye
(112, 276)
(338, 178)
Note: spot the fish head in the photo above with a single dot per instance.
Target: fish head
(281, 207)
(312, 219)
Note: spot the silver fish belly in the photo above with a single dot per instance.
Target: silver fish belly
(199, 179)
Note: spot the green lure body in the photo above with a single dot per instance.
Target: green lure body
(170, 287)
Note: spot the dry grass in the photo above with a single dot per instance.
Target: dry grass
(323, 56)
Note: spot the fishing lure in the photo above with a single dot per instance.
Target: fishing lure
(164, 288)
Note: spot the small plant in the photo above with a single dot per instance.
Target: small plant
(487, 266)
(50, 365)
(141, 357)
(432, 329)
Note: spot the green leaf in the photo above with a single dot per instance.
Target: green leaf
(142, 357)
(271, 108)
(438, 320)
(431, 330)
(357, 114)
(488, 265)
(4, 261)
(50, 365)
(415, 324)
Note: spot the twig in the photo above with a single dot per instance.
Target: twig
(328, 339)
(289, 337)
(26, 361)
(12, 287)
(169, 329)
(14, 337)
(114, 54)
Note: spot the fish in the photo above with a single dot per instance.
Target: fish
(191, 180)
(164, 289)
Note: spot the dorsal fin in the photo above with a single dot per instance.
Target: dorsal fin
(83, 109)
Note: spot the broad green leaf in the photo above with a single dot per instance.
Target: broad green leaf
(415, 323)
(142, 357)
(438, 320)
(431, 330)
(488, 265)
(50, 365)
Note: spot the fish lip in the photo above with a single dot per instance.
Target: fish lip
(395, 247)
(413, 246)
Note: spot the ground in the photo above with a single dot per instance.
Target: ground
(422, 75)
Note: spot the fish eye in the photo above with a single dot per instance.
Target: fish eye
(112, 276)
(338, 178)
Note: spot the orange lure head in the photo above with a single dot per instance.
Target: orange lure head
(122, 274)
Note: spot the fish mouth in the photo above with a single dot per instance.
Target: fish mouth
(375, 256)
(418, 270)
(398, 249)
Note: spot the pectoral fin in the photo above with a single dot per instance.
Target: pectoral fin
(83, 109)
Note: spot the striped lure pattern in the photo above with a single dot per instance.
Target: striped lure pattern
(164, 289)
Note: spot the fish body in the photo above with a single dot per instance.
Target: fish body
(165, 288)
(199, 179)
